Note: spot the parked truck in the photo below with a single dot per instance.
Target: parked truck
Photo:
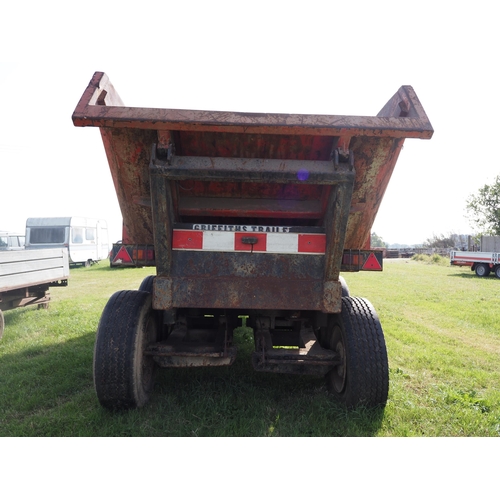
(27, 275)
(251, 215)
(85, 239)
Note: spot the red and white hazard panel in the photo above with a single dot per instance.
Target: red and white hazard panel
(270, 239)
(362, 260)
(122, 256)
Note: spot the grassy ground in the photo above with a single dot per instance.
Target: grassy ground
(441, 328)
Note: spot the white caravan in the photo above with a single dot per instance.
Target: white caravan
(86, 239)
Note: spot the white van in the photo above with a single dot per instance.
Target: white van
(86, 239)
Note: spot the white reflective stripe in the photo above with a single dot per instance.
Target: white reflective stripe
(218, 240)
(282, 242)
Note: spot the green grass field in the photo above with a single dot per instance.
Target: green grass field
(442, 331)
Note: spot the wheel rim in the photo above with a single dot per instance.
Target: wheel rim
(338, 374)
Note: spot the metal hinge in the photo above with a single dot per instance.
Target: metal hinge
(166, 154)
(341, 155)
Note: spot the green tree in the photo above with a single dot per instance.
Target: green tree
(377, 241)
(483, 208)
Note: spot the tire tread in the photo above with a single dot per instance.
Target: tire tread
(114, 351)
(367, 362)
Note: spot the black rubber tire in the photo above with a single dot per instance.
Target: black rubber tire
(2, 324)
(497, 271)
(147, 284)
(345, 288)
(482, 270)
(123, 375)
(362, 379)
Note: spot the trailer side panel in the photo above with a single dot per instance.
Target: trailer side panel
(26, 268)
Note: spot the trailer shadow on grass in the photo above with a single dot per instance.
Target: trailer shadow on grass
(469, 275)
(47, 390)
(238, 401)
(472, 275)
(42, 385)
(203, 402)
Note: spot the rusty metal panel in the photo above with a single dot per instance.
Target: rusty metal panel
(128, 153)
(246, 281)
(250, 145)
(375, 162)
(246, 293)
(212, 265)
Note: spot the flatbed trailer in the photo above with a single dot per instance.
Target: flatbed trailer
(251, 215)
(27, 275)
(482, 263)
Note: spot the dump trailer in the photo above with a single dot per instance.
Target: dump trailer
(27, 275)
(255, 216)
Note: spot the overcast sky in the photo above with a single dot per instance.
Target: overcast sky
(288, 57)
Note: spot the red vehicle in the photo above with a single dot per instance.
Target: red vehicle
(250, 215)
